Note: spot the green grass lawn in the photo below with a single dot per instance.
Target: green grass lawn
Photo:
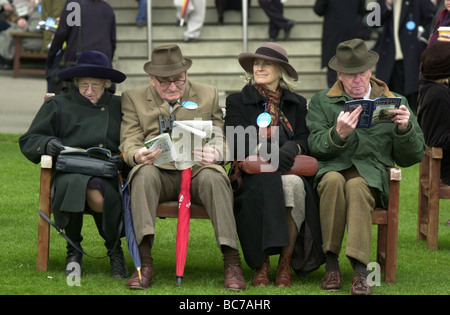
(420, 271)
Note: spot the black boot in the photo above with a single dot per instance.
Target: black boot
(74, 257)
(115, 253)
(73, 261)
(117, 260)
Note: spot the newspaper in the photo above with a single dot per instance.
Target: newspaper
(186, 135)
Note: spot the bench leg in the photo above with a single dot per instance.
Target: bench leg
(44, 227)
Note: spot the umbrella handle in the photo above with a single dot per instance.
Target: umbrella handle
(140, 275)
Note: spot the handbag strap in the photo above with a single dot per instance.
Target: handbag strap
(78, 248)
(235, 175)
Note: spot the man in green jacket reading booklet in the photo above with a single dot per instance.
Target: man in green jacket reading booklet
(352, 178)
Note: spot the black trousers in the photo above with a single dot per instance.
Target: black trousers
(274, 10)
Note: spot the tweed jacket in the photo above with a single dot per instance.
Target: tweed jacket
(370, 150)
(141, 108)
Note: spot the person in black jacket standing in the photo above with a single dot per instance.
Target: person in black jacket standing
(96, 21)
(405, 27)
(274, 10)
(341, 22)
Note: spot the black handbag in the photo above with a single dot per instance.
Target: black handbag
(87, 165)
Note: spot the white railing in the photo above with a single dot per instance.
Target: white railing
(244, 27)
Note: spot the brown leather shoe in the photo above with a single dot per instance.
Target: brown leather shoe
(234, 279)
(332, 281)
(284, 275)
(360, 286)
(261, 277)
(147, 279)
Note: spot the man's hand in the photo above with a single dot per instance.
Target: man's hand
(347, 121)
(402, 117)
(206, 155)
(144, 156)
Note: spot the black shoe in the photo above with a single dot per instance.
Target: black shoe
(287, 29)
(118, 265)
(5, 64)
(191, 40)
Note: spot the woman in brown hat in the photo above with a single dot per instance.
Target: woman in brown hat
(269, 207)
(87, 117)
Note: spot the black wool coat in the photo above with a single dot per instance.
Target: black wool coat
(259, 207)
(341, 22)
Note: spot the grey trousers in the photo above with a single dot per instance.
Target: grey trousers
(210, 188)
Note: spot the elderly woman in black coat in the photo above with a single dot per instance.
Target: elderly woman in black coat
(89, 116)
(269, 207)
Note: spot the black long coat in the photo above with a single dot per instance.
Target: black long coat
(341, 22)
(420, 12)
(259, 207)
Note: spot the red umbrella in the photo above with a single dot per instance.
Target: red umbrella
(183, 11)
(184, 214)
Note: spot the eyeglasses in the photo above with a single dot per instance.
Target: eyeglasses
(167, 83)
(84, 86)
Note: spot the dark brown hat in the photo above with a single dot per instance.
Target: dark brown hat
(435, 61)
(167, 61)
(352, 56)
(268, 51)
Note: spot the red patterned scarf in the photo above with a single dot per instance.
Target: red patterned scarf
(273, 107)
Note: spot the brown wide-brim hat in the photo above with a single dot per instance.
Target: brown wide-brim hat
(352, 56)
(167, 61)
(268, 51)
(435, 63)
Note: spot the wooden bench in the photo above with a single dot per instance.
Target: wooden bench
(386, 219)
(165, 210)
(431, 190)
(21, 54)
